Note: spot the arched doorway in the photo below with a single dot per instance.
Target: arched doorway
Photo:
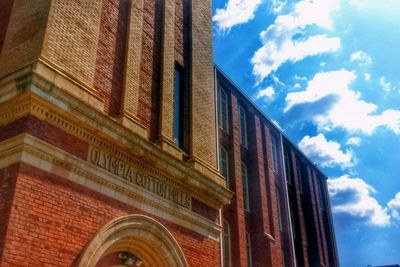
(136, 236)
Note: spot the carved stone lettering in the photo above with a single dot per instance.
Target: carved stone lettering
(139, 178)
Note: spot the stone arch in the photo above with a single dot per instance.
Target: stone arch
(137, 234)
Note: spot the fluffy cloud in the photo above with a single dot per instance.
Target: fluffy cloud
(267, 93)
(353, 196)
(394, 207)
(367, 76)
(326, 153)
(280, 44)
(354, 141)
(361, 57)
(235, 12)
(346, 109)
(386, 86)
(277, 5)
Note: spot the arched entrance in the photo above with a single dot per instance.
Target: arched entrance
(137, 235)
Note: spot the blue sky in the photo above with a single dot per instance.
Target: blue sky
(327, 72)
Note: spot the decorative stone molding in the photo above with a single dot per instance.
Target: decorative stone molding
(139, 235)
(31, 150)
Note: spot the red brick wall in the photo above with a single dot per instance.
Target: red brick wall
(275, 248)
(52, 220)
(234, 213)
(259, 217)
(204, 210)
(46, 132)
(302, 234)
(111, 53)
(7, 186)
(150, 66)
(5, 7)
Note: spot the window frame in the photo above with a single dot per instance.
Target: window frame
(299, 176)
(178, 107)
(242, 126)
(223, 150)
(223, 108)
(279, 208)
(274, 153)
(227, 245)
(248, 250)
(245, 186)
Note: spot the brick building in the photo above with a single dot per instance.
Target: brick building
(110, 153)
(280, 214)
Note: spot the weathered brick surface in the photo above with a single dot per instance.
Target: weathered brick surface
(5, 7)
(203, 138)
(7, 187)
(315, 221)
(321, 220)
(148, 105)
(204, 210)
(52, 220)
(259, 219)
(24, 34)
(72, 37)
(299, 210)
(46, 132)
(275, 248)
(111, 53)
(234, 213)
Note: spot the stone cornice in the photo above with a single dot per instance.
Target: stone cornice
(30, 150)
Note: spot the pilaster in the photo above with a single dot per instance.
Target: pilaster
(275, 249)
(303, 234)
(238, 228)
(167, 75)
(259, 208)
(131, 83)
(203, 132)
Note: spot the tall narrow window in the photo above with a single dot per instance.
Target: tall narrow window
(223, 109)
(274, 150)
(321, 192)
(178, 106)
(299, 176)
(227, 245)
(242, 126)
(278, 204)
(246, 201)
(224, 163)
(288, 166)
(248, 247)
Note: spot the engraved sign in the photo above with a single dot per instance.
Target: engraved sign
(139, 178)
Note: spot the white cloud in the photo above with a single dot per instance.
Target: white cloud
(326, 153)
(386, 5)
(297, 77)
(361, 57)
(277, 5)
(347, 110)
(235, 12)
(394, 207)
(386, 86)
(353, 196)
(354, 141)
(267, 93)
(277, 81)
(279, 44)
(367, 76)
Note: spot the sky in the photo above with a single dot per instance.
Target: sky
(326, 71)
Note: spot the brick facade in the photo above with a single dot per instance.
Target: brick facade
(286, 223)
